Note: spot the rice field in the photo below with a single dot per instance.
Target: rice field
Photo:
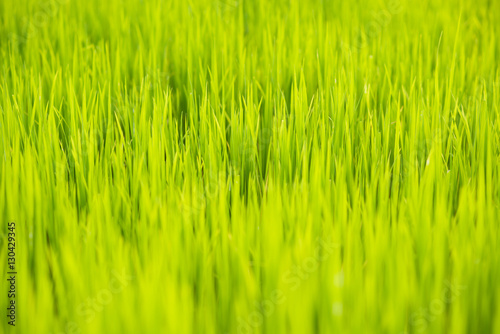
(237, 166)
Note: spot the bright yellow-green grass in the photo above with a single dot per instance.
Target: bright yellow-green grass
(237, 166)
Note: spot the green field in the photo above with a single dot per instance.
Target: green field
(237, 166)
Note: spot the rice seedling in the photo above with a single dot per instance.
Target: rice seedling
(217, 166)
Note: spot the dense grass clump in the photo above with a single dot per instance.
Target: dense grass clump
(263, 166)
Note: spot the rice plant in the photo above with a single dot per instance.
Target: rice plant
(263, 166)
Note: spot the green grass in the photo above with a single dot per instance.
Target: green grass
(194, 166)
